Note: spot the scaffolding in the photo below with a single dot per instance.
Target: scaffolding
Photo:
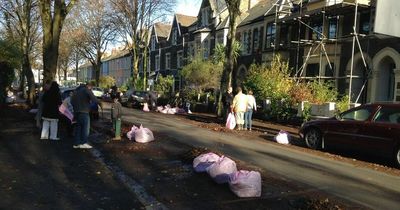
(295, 10)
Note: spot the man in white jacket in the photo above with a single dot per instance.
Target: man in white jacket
(240, 107)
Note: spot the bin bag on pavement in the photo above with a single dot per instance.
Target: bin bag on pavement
(221, 170)
(203, 161)
(146, 107)
(245, 183)
(231, 121)
(282, 137)
(143, 135)
(131, 133)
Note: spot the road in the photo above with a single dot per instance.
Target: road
(363, 186)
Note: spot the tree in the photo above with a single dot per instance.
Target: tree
(96, 29)
(164, 85)
(22, 24)
(52, 14)
(106, 82)
(9, 60)
(134, 17)
(202, 73)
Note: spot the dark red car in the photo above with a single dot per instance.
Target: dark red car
(370, 128)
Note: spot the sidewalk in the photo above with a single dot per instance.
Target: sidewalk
(43, 174)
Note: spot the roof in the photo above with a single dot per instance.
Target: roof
(185, 20)
(258, 11)
(217, 5)
(117, 54)
(162, 29)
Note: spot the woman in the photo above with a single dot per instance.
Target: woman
(51, 101)
(251, 106)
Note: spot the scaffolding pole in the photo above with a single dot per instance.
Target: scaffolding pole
(353, 49)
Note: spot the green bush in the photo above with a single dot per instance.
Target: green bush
(164, 85)
(105, 82)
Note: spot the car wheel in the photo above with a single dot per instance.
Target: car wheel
(397, 157)
(313, 138)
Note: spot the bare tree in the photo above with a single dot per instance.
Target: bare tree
(53, 14)
(97, 31)
(22, 22)
(133, 18)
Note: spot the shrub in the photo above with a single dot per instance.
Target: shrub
(164, 85)
(105, 82)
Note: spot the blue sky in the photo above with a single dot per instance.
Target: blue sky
(188, 7)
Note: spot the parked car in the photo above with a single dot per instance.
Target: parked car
(135, 99)
(98, 92)
(370, 128)
(65, 92)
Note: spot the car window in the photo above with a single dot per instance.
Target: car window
(361, 114)
(388, 115)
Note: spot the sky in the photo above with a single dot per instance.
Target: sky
(188, 7)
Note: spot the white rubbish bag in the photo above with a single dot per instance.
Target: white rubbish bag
(203, 161)
(131, 133)
(282, 137)
(221, 170)
(231, 121)
(143, 135)
(245, 183)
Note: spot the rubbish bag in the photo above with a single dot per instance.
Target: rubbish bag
(231, 121)
(221, 170)
(146, 107)
(282, 137)
(245, 183)
(143, 135)
(131, 133)
(203, 161)
(66, 112)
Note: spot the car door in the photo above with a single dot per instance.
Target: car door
(343, 132)
(379, 135)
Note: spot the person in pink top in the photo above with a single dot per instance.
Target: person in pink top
(240, 107)
(251, 106)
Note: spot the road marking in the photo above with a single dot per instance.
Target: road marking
(148, 201)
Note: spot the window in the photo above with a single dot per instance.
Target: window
(364, 26)
(312, 70)
(330, 72)
(255, 40)
(316, 31)
(179, 59)
(174, 36)
(205, 16)
(361, 114)
(270, 36)
(332, 28)
(388, 115)
(220, 39)
(157, 63)
(153, 42)
(206, 49)
(167, 61)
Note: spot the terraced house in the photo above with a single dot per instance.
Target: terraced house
(354, 44)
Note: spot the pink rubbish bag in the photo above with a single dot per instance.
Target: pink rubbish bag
(231, 121)
(146, 107)
(221, 170)
(203, 161)
(282, 137)
(65, 111)
(143, 135)
(245, 183)
(131, 133)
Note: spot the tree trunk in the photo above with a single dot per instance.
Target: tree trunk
(50, 57)
(26, 66)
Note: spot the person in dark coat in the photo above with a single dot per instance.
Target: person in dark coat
(51, 101)
(227, 100)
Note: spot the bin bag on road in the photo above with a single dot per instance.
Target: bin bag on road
(146, 107)
(231, 121)
(203, 161)
(282, 137)
(131, 133)
(221, 170)
(143, 135)
(245, 183)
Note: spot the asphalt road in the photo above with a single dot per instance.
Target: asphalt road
(363, 186)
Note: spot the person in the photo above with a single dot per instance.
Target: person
(51, 101)
(38, 117)
(81, 100)
(116, 114)
(227, 100)
(251, 106)
(69, 122)
(239, 106)
(153, 100)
